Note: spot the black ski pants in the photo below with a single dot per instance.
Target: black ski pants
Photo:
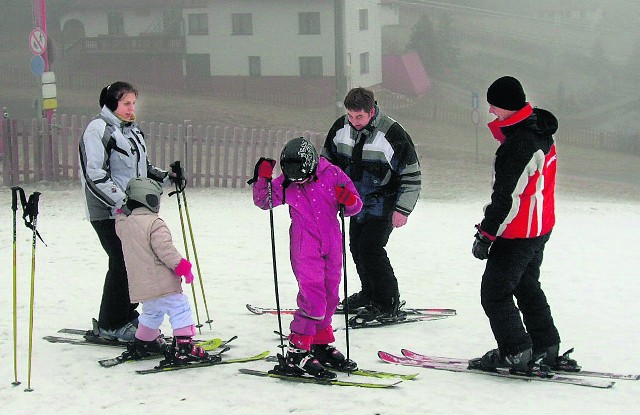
(367, 242)
(116, 309)
(513, 270)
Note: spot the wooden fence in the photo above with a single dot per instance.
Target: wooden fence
(212, 156)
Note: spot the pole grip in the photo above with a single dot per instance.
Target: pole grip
(32, 205)
(14, 197)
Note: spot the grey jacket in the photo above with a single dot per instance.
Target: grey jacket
(112, 152)
(381, 161)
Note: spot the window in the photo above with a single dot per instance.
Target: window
(241, 24)
(198, 66)
(311, 66)
(172, 21)
(198, 24)
(255, 68)
(309, 23)
(364, 19)
(364, 62)
(115, 23)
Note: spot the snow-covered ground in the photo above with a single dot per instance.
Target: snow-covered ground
(590, 275)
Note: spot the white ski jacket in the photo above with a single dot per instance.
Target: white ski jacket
(112, 152)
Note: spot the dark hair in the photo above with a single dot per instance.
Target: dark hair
(359, 99)
(111, 94)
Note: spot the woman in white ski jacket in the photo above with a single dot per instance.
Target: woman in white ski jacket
(113, 151)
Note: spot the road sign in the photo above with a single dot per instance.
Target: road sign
(37, 65)
(475, 117)
(37, 41)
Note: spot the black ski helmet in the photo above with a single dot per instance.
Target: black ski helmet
(145, 191)
(298, 160)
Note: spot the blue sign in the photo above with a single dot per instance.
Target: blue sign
(475, 104)
(37, 65)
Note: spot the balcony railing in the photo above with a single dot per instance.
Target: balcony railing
(146, 43)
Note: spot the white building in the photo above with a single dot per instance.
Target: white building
(232, 47)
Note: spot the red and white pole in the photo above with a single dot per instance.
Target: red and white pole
(39, 8)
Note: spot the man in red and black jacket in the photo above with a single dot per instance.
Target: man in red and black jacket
(516, 226)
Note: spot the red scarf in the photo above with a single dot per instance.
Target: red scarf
(496, 125)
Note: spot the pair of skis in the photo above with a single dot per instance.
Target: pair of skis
(311, 379)
(129, 356)
(88, 339)
(580, 378)
(413, 315)
(379, 380)
(410, 311)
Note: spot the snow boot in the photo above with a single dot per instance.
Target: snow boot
(520, 363)
(184, 351)
(330, 357)
(299, 362)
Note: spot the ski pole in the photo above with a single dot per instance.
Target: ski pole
(14, 208)
(32, 211)
(273, 260)
(186, 249)
(195, 257)
(344, 272)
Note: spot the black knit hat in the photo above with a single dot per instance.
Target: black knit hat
(507, 93)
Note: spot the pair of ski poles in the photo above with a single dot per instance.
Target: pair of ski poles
(275, 270)
(30, 216)
(180, 184)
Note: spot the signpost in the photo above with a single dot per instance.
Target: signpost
(40, 65)
(475, 116)
(38, 44)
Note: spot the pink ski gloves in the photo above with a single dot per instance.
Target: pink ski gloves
(184, 270)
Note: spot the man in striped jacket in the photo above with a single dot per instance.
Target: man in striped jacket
(516, 226)
(379, 157)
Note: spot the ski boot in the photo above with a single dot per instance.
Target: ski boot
(184, 351)
(520, 363)
(554, 361)
(300, 362)
(141, 349)
(123, 336)
(330, 357)
(376, 312)
(354, 302)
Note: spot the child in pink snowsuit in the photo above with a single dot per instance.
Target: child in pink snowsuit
(314, 189)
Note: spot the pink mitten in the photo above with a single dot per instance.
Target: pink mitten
(184, 270)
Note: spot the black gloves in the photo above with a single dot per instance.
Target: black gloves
(481, 246)
(177, 175)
